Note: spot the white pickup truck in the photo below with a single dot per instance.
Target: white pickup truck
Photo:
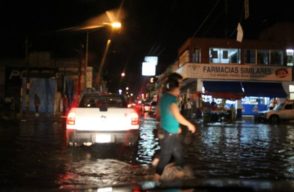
(102, 119)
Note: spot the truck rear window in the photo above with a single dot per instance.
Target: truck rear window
(96, 101)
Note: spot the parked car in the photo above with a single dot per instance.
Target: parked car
(281, 112)
(102, 119)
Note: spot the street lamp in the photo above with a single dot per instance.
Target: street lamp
(120, 91)
(112, 18)
(114, 26)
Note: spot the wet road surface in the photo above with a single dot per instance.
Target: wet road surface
(34, 154)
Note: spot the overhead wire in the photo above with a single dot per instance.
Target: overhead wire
(206, 18)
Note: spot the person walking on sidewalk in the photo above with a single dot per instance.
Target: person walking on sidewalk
(170, 120)
(37, 104)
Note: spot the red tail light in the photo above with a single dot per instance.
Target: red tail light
(71, 118)
(134, 119)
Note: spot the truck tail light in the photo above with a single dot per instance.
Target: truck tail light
(134, 118)
(71, 118)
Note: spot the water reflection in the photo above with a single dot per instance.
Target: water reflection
(32, 153)
(241, 150)
(148, 143)
(100, 172)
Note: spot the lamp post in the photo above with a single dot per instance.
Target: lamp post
(114, 26)
(99, 78)
(86, 58)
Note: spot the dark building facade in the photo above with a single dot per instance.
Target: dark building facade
(56, 81)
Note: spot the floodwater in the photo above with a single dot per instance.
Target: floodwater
(34, 154)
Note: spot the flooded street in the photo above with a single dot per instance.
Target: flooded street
(34, 154)
(251, 151)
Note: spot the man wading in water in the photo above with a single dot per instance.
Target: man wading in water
(170, 120)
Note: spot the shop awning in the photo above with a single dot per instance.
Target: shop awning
(264, 89)
(224, 89)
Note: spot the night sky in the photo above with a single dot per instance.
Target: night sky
(150, 27)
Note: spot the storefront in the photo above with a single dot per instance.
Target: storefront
(255, 96)
(55, 88)
(251, 85)
(22, 84)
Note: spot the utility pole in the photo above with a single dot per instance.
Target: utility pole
(86, 59)
(100, 78)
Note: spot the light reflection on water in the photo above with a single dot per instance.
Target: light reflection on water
(216, 151)
(241, 150)
(148, 143)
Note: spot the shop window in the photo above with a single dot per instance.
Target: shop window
(219, 55)
(250, 56)
(213, 56)
(290, 57)
(196, 57)
(234, 55)
(251, 105)
(225, 54)
(276, 57)
(263, 57)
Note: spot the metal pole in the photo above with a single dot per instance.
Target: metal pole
(86, 59)
(100, 80)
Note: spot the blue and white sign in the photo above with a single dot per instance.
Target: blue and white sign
(236, 72)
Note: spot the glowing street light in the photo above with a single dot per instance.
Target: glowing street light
(116, 25)
(109, 19)
(120, 91)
